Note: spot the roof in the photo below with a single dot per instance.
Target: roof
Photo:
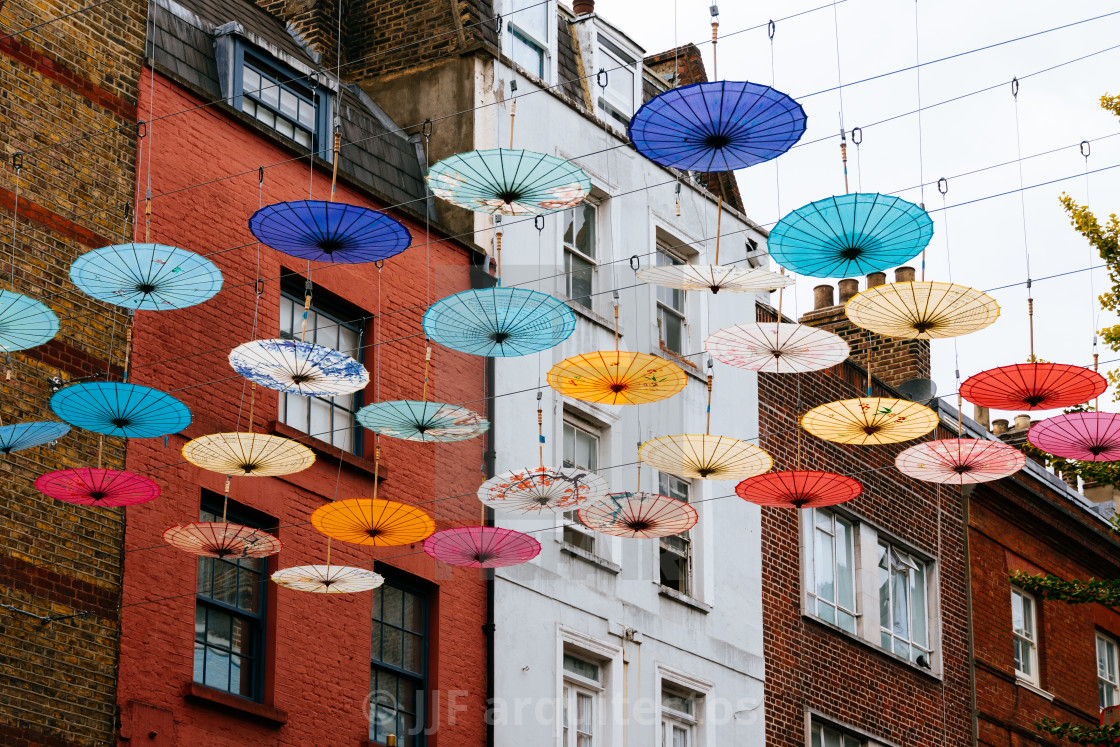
(375, 153)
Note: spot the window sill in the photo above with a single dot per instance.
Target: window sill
(1033, 688)
(599, 562)
(686, 365)
(325, 451)
(675, 357)
(872, 646)
(272, 716)
(684, 599)
(592, 317)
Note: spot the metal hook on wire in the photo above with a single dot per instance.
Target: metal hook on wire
(538, 223)
(771, 28)
(943, 186)
(635, 263)
(857, 135)
(1086, 149)
(601, 78)
(1015, 87)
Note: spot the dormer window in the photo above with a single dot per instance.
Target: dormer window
(279, 102)
(528, 22)
(616, 100)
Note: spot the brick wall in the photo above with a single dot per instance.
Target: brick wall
(68, 92)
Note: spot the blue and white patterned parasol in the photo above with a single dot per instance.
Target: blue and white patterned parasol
(298, 367)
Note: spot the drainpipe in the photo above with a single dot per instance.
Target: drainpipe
(966, 495)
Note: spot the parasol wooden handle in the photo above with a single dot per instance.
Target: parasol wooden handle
(719, 224)
(334, 171)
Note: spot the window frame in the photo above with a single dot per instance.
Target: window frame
(811, 585)
(573, 685)
(666, 308)
(612, 59)
(888, 630)
(1031, 640)
(846, 738)
(672, 718)
(573, 249)
(571, 523)
(686, 554)
(1103, 682)
(421, 690)
(521, 33)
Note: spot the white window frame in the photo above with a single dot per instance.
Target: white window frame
(1028, 635)
(914, 564)
(811, 588)
(684, 683)
(592, 208)
(666, 308)
(820, 728)
(609, 714)
(666, 544)
(571, 524)
(1108, 683)
(520, 33)
(612, 62)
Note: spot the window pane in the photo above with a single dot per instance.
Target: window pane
(586, 448)
(250, 81)
(900, 611)
(919, 618)
(294, 410)
(284, 127)
(672, 330)
(289, 104)
(270, 92)
(303, 138)
(264, 115)
(845, 565)
(343, 432)
(225, 583)
(569, 446)
(583, 668)
(580, 274)
(824, 559)
(307, 114)
(320, 425)
(532, 16)
(884, 593)
(527, 54)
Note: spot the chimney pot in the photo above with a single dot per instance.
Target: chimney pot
(875, 279)
(982, 416)
(822, 297)
(1022, 422)
(904, 275)
(999, 426)
(583, 7)
(848, 288)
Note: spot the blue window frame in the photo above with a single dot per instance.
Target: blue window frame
(229, 629)
(399, 665)
(283, 100)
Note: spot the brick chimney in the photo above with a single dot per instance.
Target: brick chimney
(894, 359)
(583, 7)
(1016, 435)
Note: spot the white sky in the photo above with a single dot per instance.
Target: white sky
(1058, 108)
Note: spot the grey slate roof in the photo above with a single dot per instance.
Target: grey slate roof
(571, 85)
(374, 152)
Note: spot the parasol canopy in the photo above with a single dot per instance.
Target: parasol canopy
(960, 461)
(509, 182)
(24, 322)
(328, 579)
(799, 489)
(705, 457)
(372, 521)
(1033, 386)
(921, 310)
(297, 367)
(719, 126)
(22, 436)
(335, 232)
(776, 348)
(850, 235)
(117, 409)
(611, 377)
(422, 421)
(714, 278)
(499, 322)
(98, 487)
(870, 421)
(1084, 436)
(148, 277)
(539, 489)
(248, 454)
(639, 515)
(219, 539)
(482, 547)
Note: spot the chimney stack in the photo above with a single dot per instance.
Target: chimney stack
(583, 7)
(822, 297)
(875, 279)
(999, 426)
(848, 288)
(1022, 422)
(904, 275)
(981, 415)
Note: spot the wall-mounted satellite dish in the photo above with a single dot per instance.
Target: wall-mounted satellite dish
(918, 390)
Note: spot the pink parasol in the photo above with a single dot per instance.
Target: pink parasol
(639, 515)
(960, 461)
(98, 487)
(1085, 436)
(218, 539)
(482, 547)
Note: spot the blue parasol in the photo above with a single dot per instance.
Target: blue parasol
(29, 435)
(151, 277)
(422, 421)
(500, 322)
(509, 182)
(850, 235)
(24, 322)
(719, 126)
(116, 409)
(329, 231)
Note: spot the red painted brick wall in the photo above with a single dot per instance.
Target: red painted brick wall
(319, 645)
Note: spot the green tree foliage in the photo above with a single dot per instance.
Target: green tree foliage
(1080, 733)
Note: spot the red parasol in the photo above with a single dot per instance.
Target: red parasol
(98, 487)
(482, 547)
(1033, 386)
(800, 489)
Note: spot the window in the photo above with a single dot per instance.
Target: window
(280, 101)
(579, 253)
(398, 664)
(1108, 684)
(678, 717)
(617, 98)
(1023, 631)
(670, 309)
(528, 30)
(328, 419)
(229, 616)
(581, 450)
(581, 702)
(903, 617)
(676, 550)
(824, 736)
(831, 572)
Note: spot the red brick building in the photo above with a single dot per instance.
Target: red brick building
(209, 660)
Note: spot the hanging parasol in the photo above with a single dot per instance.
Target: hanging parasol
(799, 489)
(499, 322)
(22, 436)
(334, 232)
(422, 421)
(482, 547)
(116, 409)
(639, 515)
(219, 539)
(705, 457)
(617, 378)
(720, 126)
(777, 348)
(98, 487)
(540, 489)
(24, 322)
(509, 182)
(714, 278)
(1084, 436)
(870, 421)
(298, 367)
(248, 454)
(850, 235)
(921, 310)
(960, 461)
(328, 579)
(372, 521)
(1033, 386)
(149, 277)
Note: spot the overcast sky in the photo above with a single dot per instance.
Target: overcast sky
(1056, 109)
